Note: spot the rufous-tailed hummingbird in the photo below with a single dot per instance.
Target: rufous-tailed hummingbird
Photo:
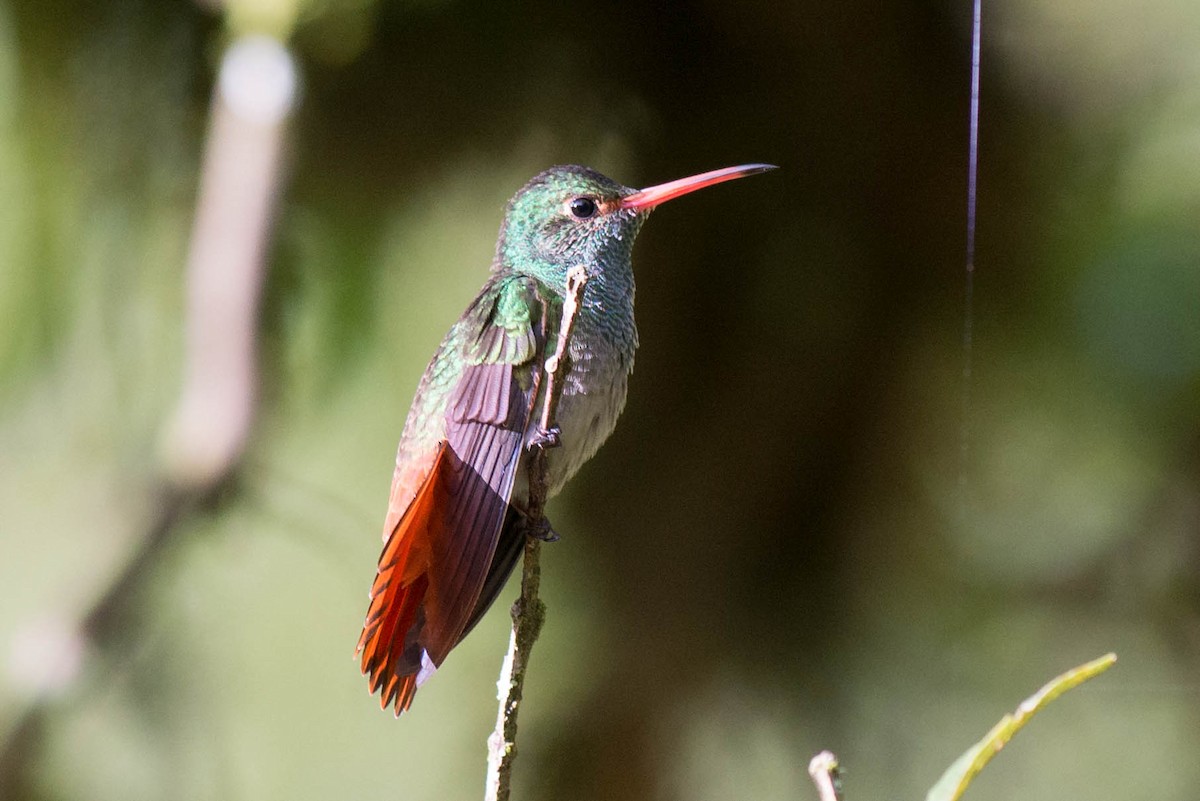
(455, 524)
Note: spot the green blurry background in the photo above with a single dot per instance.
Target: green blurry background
(779, 549)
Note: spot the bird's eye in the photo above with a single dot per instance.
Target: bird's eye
(582, 207)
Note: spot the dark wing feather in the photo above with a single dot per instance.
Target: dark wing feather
(508, 550)
(483, 463)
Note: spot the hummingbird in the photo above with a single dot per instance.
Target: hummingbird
(455, 524)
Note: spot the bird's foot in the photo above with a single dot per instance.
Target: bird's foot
(546, 438)
(541, 530)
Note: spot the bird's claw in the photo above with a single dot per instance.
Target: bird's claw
(541, 530)
(546, 438)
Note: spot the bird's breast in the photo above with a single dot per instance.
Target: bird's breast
(593, 395)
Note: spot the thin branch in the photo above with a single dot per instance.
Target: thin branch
(826, 775)
(528, 613)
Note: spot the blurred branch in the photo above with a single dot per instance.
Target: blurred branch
(208, 430)
(207, 433)
(826, 775)
(529, 613)
(101, 627)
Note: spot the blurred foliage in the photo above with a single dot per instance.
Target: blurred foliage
(775, 553)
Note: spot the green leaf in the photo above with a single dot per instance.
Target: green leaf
(964, 769)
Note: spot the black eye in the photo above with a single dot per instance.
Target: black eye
(583, 207)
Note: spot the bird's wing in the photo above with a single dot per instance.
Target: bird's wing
(447, 510)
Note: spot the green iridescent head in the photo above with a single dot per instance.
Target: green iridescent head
(565, 216)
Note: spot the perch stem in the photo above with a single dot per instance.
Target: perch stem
(528, 613)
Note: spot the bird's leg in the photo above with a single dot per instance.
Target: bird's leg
(541, 529)
(546, 438)
(543, 439)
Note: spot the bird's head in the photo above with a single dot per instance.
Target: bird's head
(572, 215)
